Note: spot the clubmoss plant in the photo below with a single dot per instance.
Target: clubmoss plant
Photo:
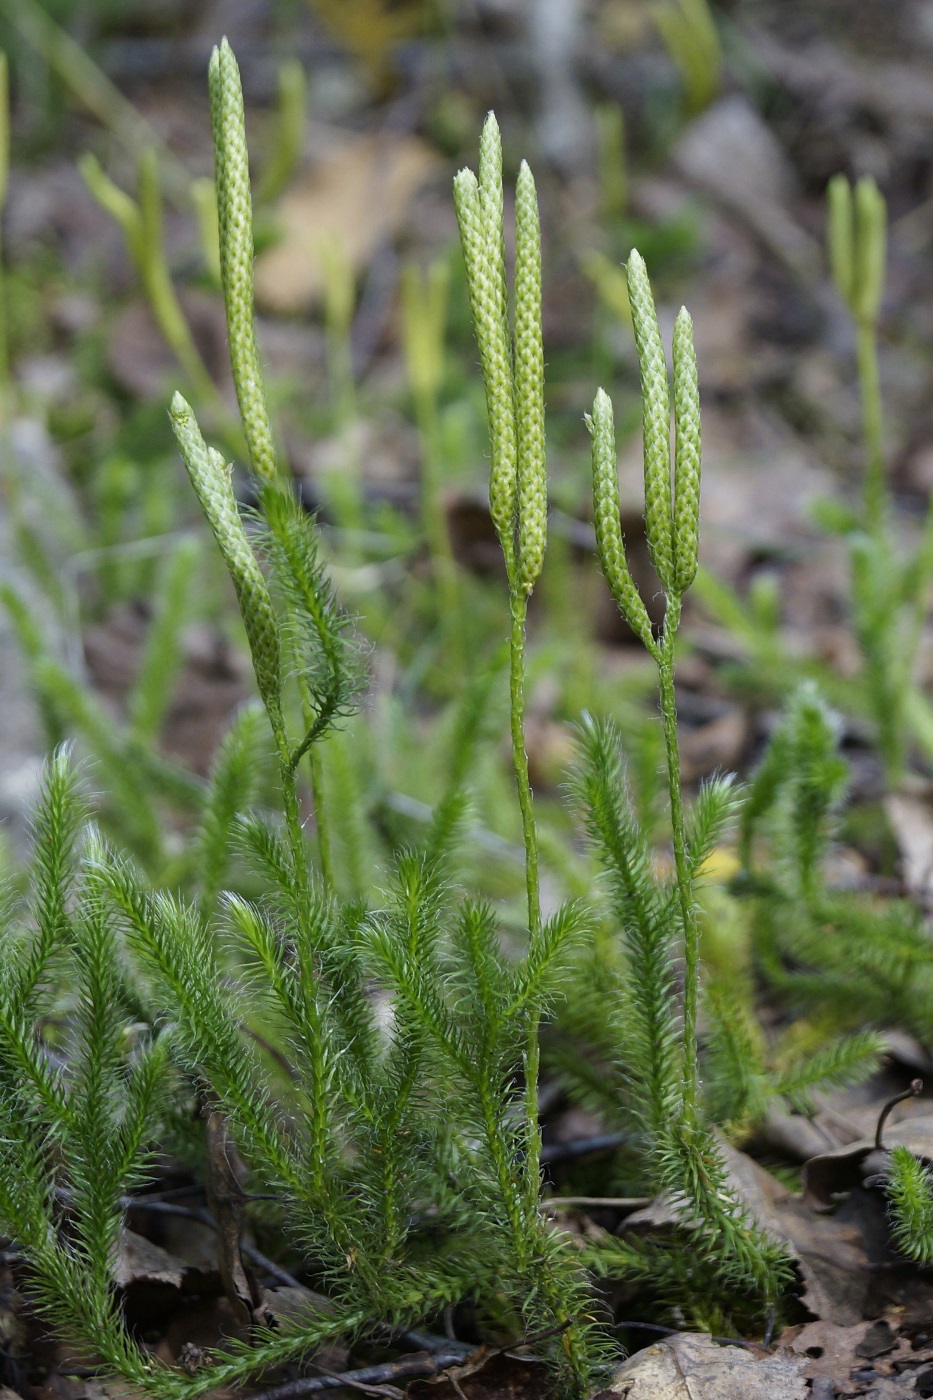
(856, 235)
(338, 1099)
(235, 218)
(890, 586)
(660, 1053)
(854, 964)
(405, 1209)
(512, 363)
(890, 594)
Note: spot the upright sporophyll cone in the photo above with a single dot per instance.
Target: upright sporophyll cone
(656, 420)
(606, 518)
(235, 219)
(529, 383)
(487, 301)
(686, 453)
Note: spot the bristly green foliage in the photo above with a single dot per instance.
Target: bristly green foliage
(859, 963)
(631, 1035)
(377, 1068)
(909, 1189)
(745, 1076)
(801, 782)
(653, 1034)
(231, 789)
(513, 374)
(324, 655)
(93, 1122)
(370, 1152)
(455, 1038)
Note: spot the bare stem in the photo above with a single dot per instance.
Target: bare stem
(519, 609)
(681, 862)
(872, 424)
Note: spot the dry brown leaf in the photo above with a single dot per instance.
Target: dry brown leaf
(831, 1173)
(831, 1350)
(829, 1254)
(356, 199)
(694, 1367)
(226, 1200)
(140, 1261)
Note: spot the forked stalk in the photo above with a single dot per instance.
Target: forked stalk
(513, 374)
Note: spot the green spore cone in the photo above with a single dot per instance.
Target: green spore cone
(686, 453)
(235, 218)
(606, 519)
(656, 420)
(529, 384)
(486, 298)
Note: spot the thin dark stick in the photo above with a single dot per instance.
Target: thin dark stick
(273, 1269)
(679, 1332)
(916, 1087)
(392, 1392)
(406, 1368)
(204, 1217)
(581, 1147)
(426, 1341)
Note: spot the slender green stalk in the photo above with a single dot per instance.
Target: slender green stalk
(681, 862)
(321, 819)
(513, 374)
(857, 243)
(872, 425)
(518, 608)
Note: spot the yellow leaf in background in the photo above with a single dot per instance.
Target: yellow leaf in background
(720, 866)
(371, 28)
(355, 200)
